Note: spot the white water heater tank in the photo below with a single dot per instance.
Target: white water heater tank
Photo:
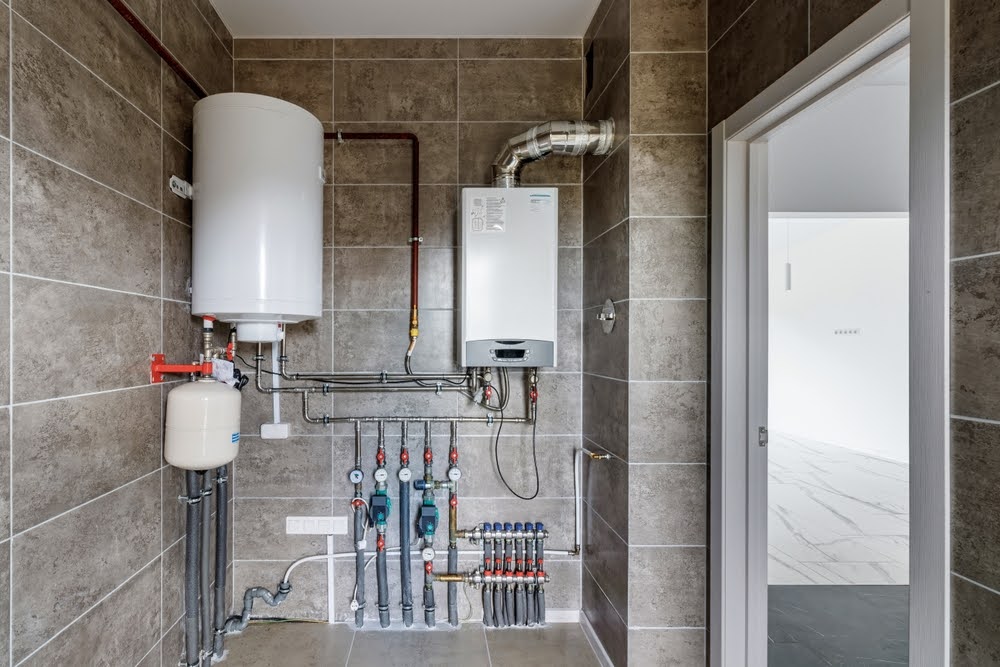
(258, 213)
(202, 426)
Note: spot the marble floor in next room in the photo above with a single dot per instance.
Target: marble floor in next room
(835, 516)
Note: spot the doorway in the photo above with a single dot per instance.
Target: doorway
(836, 377)
(740, 420)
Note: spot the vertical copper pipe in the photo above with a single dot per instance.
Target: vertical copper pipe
(157, 46)
(414, 212)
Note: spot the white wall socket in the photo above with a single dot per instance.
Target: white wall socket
(316, 525)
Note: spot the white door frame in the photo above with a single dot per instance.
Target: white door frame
(738, 566)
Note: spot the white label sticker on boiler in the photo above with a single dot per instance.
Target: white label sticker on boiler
(489, 214)
(538, 203)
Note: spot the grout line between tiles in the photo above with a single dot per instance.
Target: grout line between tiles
(979, 256)
(977, 420)
(89, 609)
(156, 644)
(974, 93)
(731, 25)
(610, 603)
(10, 339)
(85, 67)
(230, 50)
(975, 583)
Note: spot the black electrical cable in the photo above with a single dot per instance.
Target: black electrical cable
(534, 458)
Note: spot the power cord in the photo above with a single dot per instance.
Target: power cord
(534, 458)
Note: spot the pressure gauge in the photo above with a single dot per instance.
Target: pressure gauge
(427, 554)
(454, 473)
(405, 474)
(356, 476)
(381, 474)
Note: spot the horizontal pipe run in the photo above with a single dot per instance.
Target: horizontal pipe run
(326, 419)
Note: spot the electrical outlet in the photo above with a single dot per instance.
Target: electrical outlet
(316, 525)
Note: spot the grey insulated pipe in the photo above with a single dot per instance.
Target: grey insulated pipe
(359, 566)
(382, 579)
(404, 527)
(221, 557)
(192, 551)
(207, 630)
(566, 137)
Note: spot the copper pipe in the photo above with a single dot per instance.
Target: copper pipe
(415, 239)
(157, 46)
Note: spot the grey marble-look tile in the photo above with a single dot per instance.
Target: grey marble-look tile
(5, 74)
(613, 103)
(605, 413)
(975, 360)
(375, 340)
(610, 45)
(829, 17)
(569, 341)
(67, 227)
(177, 161)
(667, 586)
(669, 258)
(81, 319)
(365, 162)
(176, 260)
(605, 557)
(674, 25)
(975, 166)
(376, 278)
(300, 466)
(975, 504)
(668, 93)
(667, 340)
(564, 644)
(606, 489)
(534, 90)
(260, 528)
(5, 598)
(188, 35)
(519, 48)
(95, 34)
(668, 422)
(607, 354)
(667, 648)
(479, 467)
(609, 627)
(4, 206)
(396, 648)
(306, 83)
(376, 90)
(178, 106)
(681, 512)
(5, 528)
(606, 194)
(122, 435)
(172, 601)
(975, 63)
(380, 216)
(318, 645)
(5, 325)
(308, 598)
(119, 631)
(975, 617)
(216, 23)
(570, 272)
(767, 41)
(66, 565)
(606, 267)
(66, 113)
(293, 49)
(395, 48)
(668, 175)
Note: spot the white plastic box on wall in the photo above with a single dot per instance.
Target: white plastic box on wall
(509, 276)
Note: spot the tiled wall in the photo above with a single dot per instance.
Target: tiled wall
(644, 238)
(975, 248)
(463, 98)
(94, 253)
(753, 42)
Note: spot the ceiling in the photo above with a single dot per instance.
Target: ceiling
(406, 18)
